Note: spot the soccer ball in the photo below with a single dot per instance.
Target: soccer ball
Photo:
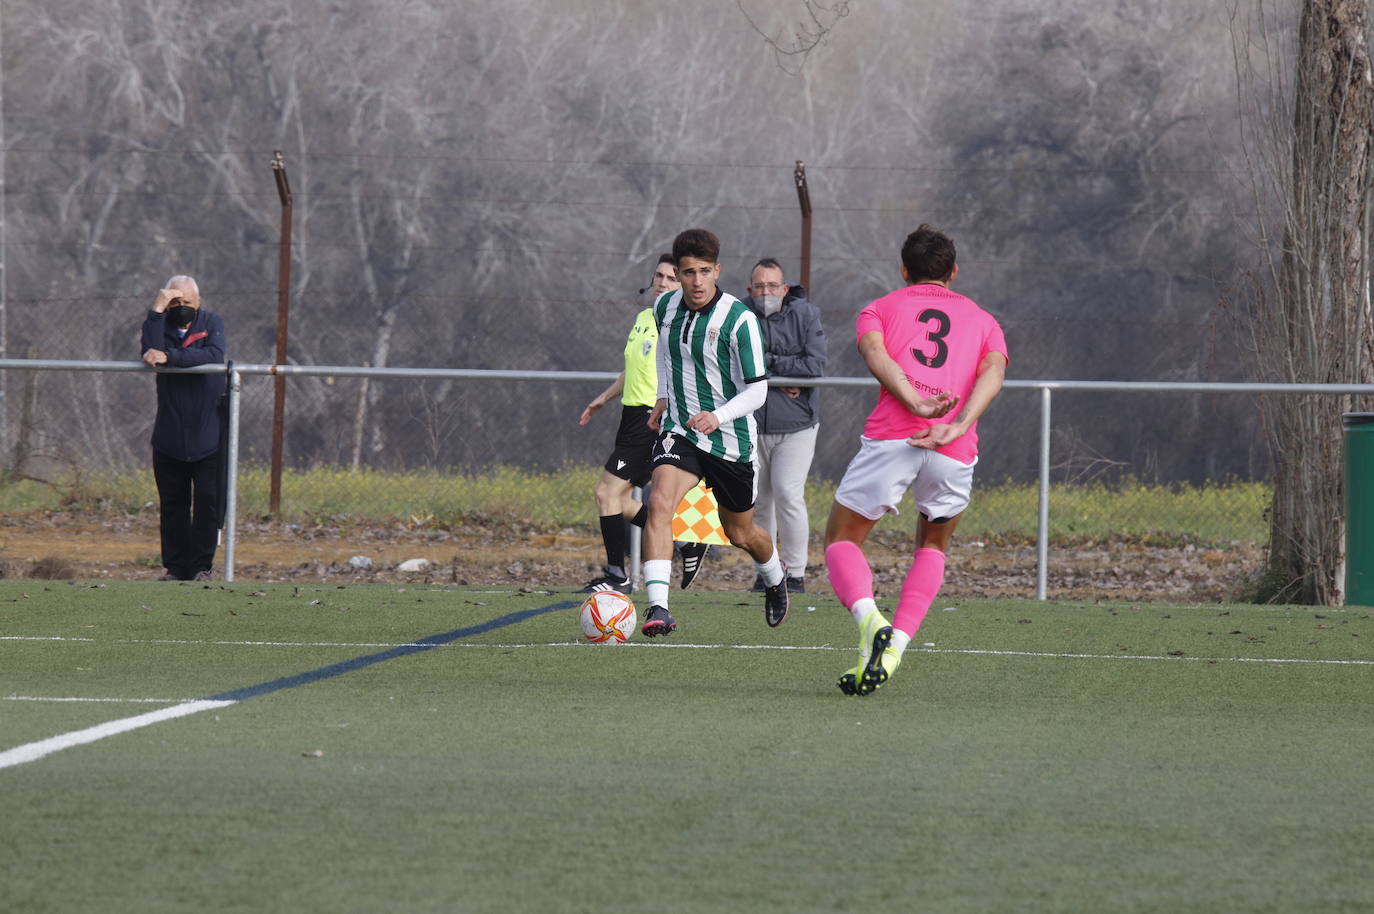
(608, 617)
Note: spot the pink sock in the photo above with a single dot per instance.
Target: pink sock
(850, 575)
(922, 583)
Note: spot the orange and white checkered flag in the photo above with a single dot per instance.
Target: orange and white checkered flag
(697, 520)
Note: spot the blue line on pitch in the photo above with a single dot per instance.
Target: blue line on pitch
(357, 663)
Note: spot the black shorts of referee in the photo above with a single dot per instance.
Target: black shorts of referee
(634, 442)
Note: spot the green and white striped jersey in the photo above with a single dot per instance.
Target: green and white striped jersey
(705, 358)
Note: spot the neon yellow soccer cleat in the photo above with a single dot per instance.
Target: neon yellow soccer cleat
(875, 634)
(879, 669)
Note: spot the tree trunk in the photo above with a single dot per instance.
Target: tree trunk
(1316, 328)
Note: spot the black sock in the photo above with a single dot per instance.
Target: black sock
(613, 535)
(642, 517)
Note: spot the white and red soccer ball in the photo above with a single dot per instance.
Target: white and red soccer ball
(608, 617)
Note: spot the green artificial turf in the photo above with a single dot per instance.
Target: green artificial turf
(1037, 757)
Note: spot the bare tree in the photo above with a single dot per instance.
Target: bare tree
(1305, 310)
(793, 43)
(485, 184)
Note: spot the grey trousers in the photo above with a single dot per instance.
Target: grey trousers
(781, 465)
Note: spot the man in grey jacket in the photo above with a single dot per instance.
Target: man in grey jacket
(789, 420)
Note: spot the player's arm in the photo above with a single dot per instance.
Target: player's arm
(741, 404)
(884, 367)
(601, 399)
(992, 371)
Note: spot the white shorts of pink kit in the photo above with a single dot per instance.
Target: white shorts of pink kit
(884, 470)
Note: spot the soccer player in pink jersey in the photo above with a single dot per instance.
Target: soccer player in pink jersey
(931, 349)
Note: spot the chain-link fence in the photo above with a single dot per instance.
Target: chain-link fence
(83, 422)
(438, 448)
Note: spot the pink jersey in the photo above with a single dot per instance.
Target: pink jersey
(939, 338)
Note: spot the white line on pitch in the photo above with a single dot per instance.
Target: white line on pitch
(1060, 655)
(148, 701)
(935, 650)
(31, 752)
(212, 643)
(767, 647)
(1071, 656)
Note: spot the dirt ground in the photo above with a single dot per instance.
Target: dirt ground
(76, 545)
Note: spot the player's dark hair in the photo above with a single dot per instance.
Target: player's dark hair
(928, 254)
(696, 243)
(769, 262)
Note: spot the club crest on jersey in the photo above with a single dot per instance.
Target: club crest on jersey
(712, 335)
(647, 347)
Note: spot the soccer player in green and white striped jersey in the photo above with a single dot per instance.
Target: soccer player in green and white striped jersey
(628, 467)
(711, 378)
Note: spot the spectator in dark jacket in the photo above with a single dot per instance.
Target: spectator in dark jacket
(789, 420)
(186, 432)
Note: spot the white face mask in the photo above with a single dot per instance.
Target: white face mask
(772, 304)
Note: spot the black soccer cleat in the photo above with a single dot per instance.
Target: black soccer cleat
(658, 622)
(693, 558)
(776, 603)
(849, 683)
(608, 581)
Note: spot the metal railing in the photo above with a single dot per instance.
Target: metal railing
(237, 371)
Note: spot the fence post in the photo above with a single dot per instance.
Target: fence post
(1042, 525)
(636, 570)
(804, 200)
(231, 485)
(283, 308)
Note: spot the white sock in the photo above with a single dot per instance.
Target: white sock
(900, 640)
(771, 570)
(657, 574)
(862, 607)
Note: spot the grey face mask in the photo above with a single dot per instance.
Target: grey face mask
(772, 304)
